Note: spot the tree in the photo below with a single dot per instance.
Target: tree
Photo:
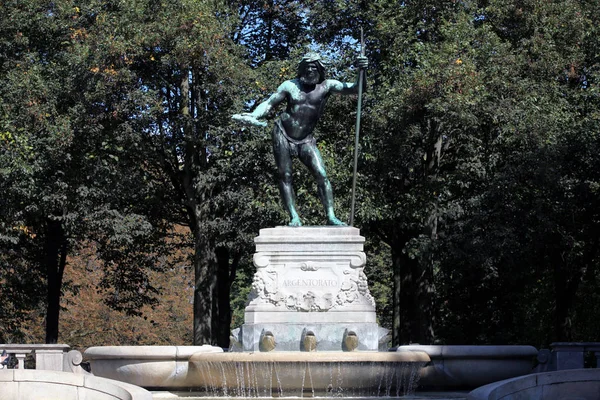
(269, 30)
(465, 98)
(536, 252)
(148, 96)
(183, 77)
(63, 171)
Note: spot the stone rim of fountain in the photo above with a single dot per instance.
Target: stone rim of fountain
(315, 357)
(473, 351)
(167, 353)
(463, 366)
(145, 366)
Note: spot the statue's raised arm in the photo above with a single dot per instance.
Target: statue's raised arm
(336, 86)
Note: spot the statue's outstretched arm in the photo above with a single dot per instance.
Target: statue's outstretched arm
(263, 108)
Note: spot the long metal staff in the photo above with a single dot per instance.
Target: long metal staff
(360, 91)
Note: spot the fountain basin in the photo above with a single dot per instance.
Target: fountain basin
(291, 374)
(472, 366)
(146, 366)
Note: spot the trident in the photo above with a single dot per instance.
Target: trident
(360, 91)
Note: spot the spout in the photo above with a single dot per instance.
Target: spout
(267, 341)
(309, 343)
(350, 341)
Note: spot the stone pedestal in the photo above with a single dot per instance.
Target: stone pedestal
(310, 282)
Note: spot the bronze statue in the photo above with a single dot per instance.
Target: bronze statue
(292, 135)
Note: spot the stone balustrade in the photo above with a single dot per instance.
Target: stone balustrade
(52, 357)
(567, 355)
(570, 355)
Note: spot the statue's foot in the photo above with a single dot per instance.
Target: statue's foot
(295, 222)
(335, 221)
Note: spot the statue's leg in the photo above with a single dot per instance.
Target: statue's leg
(311, 157)
(283, 160)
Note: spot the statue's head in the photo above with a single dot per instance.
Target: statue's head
(311, 69)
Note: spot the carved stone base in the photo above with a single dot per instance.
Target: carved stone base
(310, 280)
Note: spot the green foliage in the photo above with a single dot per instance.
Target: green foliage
(269, 30)
(476, 107)
(65, 173)
(477, 139)
(478, 170)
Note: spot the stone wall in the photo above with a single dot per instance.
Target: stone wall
(43, 385)
(575, 384)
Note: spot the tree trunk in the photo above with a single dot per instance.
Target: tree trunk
(222, 307)
(565, 291)
(269, 33)
(412, 321)
(397, 303)
(204, 291)
(55, 259)
(204, 254)
(406, 308)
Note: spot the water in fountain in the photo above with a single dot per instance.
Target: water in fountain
(324, 374)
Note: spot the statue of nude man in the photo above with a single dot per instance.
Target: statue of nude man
(292, 134)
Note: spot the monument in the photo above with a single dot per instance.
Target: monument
(309, 292)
